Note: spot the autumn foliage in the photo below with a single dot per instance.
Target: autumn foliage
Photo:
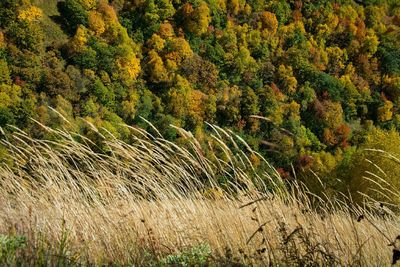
(304, 81)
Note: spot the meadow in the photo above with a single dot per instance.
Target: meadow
(157, 203)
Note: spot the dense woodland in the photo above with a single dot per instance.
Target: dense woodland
(309, 84)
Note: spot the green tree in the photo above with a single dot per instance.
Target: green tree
(26, 35)
(281, 9)
(4, 72)
(74, 14)
(104, 94)
(249, 103)
(228, 105)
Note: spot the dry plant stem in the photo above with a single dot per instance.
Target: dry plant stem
(155, 197)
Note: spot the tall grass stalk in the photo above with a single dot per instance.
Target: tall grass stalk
(142, 202)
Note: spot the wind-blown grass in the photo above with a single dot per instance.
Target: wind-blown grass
(153, 202)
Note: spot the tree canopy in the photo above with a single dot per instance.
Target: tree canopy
(305, 81)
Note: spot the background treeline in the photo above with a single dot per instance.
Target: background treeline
(324, 75)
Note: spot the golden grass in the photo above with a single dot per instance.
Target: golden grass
(141, 202)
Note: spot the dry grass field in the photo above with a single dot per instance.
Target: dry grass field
(154, 203)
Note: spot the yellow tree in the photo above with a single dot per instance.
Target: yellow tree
(88, 4)
(128, 64)
(157, 70)
(287, 81)
(109, 14)
(166, 30)
(333, 114)
(2, 43)
(233, 6)
(30, 13)
(196, 19)
(196, 106)
(10, 95)
(129, 106)
(336, 59)
(385, 112)
(178, 97)
(180, 50)
(156, 43)
(78, 42)
(269, 22)
(202, 18)
(96, 22)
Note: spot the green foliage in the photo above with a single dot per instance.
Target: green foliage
(26, 35)
(324, 82)
(104, 95)
(9, 247)
(8, 12)
(86, 60)
(390, 58)
(249, 103)
(4, 72)
(74, 14)
(282, 10)
(6, 117)
(196, 256)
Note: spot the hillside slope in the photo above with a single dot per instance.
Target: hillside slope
(308, 84)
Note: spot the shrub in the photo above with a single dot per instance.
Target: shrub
(9, 246)
(196, 256)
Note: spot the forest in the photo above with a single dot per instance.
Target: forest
(259, 128)
(308, 84)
